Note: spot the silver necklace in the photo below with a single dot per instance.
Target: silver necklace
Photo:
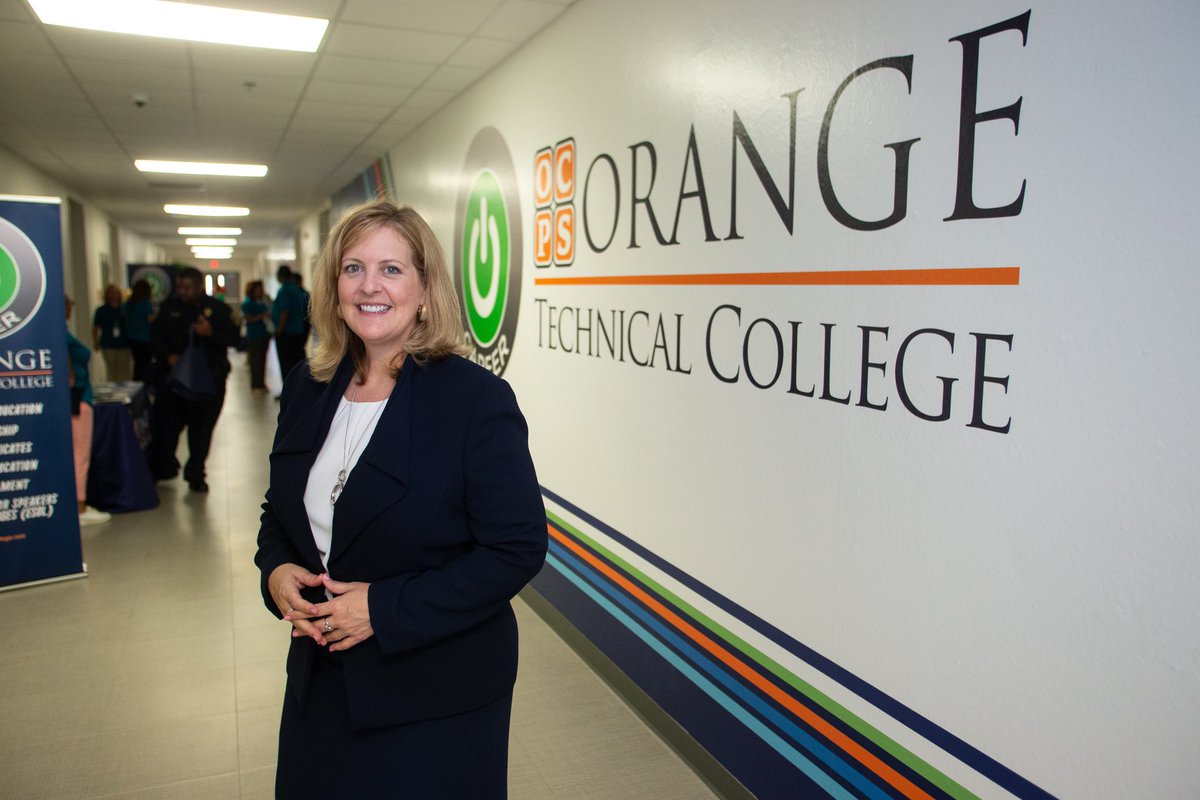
(347, 450)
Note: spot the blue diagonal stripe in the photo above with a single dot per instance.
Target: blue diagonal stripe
(765, 709)
(772, 739)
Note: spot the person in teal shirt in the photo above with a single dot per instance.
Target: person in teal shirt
(254, 313)
(108, 335)
(137, 312)
(290, 315)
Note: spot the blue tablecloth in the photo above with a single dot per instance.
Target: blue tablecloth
(119, 478)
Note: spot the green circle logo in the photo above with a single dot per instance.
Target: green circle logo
(22, 279)
(486, 256)
(487, 250)
(10, 278)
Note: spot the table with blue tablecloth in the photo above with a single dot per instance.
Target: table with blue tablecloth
(119, 478)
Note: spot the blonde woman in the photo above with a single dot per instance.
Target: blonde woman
(402, 516)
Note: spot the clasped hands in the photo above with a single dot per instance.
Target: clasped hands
(338, 624)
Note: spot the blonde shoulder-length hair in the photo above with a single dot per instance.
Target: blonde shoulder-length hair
(441, 332)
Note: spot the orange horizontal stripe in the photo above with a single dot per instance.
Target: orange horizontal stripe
(964, 276)
(851, 747)
(30, 372)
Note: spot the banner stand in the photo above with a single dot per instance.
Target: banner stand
(39, 521)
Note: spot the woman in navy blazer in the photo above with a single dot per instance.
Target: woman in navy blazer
(402, 516)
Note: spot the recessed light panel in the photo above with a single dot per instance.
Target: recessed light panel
(206, 211)
(188, 21)
(201, 168)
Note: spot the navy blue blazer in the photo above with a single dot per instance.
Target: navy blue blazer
(442, 515)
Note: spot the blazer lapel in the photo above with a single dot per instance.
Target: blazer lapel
(295, 452)
(380, 477)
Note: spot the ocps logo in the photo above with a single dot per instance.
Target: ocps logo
(487, 249)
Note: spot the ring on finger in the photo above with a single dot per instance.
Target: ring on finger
(326, 626)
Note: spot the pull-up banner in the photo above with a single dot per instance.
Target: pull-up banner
(39, 526)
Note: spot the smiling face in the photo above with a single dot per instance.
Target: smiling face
(379, 289)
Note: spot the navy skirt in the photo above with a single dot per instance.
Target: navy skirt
(320, 756)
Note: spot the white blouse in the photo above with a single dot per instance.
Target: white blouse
(349, 433)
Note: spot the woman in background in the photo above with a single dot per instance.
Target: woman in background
(108, 336)
(138, 310)
(254, 314)
(402, 516)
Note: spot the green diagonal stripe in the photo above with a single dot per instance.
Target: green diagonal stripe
(885, 743)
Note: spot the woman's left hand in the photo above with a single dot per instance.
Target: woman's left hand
(347, 616)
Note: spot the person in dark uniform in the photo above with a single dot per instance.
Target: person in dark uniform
(188, 315)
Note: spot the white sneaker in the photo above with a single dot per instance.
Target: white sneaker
(93, 516)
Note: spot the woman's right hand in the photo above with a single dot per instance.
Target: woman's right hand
(285, 583)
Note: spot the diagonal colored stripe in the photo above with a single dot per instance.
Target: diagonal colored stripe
(797, 734)
(814, 720)
(954, 276)
(773, 740)
(885, 743)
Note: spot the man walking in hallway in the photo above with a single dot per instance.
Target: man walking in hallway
(189, 318)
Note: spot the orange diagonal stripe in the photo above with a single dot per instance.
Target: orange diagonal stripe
(898, 781)
(965, 276)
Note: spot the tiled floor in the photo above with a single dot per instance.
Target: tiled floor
(161, 674)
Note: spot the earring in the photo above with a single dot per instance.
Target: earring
(422, 313)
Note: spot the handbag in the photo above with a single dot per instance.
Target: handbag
(191, 377)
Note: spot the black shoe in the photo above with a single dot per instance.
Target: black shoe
(163, 475)
(198, 485)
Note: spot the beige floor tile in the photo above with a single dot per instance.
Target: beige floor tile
(260, 684)
(160, 754)
(258, 737)
(55, 769)
(210, 788)
(259, 784)
(139, 701)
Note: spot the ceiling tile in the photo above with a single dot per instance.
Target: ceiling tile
(233, 84)
(392, 44)
(482, 52)
(15, 10)
(123, 48)
(517, 20)
(130, 77)
(443, 16)
(252, 63)
(23, 37)
(370, 71)
(453, 78)
(345, 112)
(428, 99)
(235, 109)
(355, 93)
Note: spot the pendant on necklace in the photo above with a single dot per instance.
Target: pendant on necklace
(337, 488)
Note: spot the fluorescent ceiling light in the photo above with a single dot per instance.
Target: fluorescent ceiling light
(284, 254)
(212, 252)
(207, 211)
(187, 21)
(206, 242)
(186, 231)
(202, 168)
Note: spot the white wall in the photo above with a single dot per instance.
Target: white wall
(1032, 592)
